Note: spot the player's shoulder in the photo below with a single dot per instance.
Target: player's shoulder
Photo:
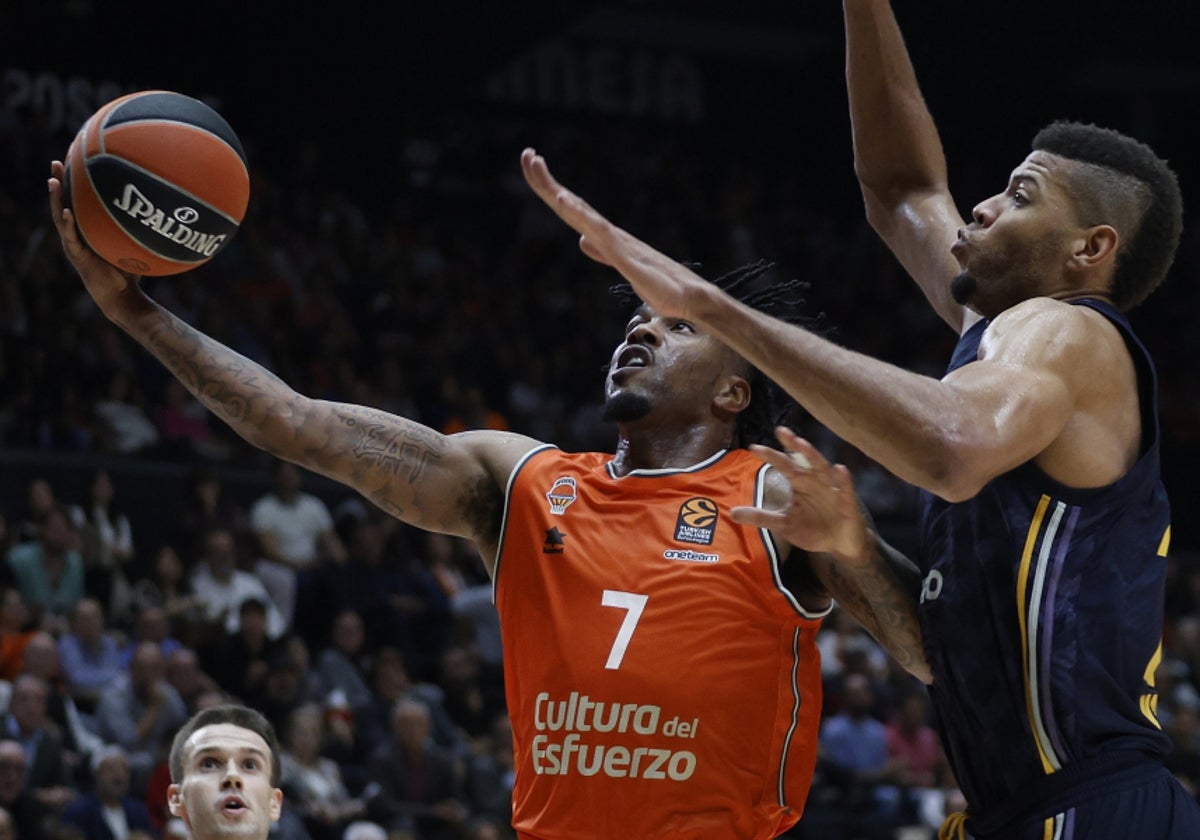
(777, 489)
(1048, 328)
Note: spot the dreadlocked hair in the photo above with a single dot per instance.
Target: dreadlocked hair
(770, 406)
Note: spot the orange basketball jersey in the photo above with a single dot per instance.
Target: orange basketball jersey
(661, 680)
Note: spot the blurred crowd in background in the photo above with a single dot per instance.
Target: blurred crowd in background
(456, 299)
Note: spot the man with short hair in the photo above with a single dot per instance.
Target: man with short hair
(47, 776)
(89, 656)
(221, 587)
(108, 812)
(14, 798)
(140, 710)
(296, 541)
(225, 774)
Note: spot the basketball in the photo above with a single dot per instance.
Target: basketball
(157, 181)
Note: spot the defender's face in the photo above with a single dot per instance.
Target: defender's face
(1020, 240)
(666, 362)
(226, 790)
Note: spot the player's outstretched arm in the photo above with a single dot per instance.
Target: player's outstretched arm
(948, 436)
(876, 583)
(898, 155)
(451, 484)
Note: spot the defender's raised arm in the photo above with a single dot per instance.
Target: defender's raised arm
(898, 155)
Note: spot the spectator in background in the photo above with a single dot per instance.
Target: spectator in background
(106, 539)
(15, 633)
(182, 424)
(222, 588)
(167, 586)
(7, 539)
(842, 637)
(371, 583)
(47, 775)
(151, 625)
(140, 711)
(124, 426)
(40, 499)
(89, 656)
(420, 783)
(491, 772)
(295, 537)
(208, 508)
(287, 686)
(185, 675)
(49, 571)
(42, 661)
(109, 812)
(343, 664)
(854, 753)
(918, 765)
(8, 830)
(472, 703)
(241, 661)
(479, 625)
(391, 683)
(424, 621)
(14, 798)
(312, 782)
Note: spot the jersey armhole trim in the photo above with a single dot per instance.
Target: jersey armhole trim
(760, 491)
(512, 479)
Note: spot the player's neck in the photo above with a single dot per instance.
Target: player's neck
(1082, 294)
(641, 449)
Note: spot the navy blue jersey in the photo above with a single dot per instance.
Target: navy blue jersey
(1042, 611)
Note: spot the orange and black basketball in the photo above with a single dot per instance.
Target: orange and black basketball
(157, 182)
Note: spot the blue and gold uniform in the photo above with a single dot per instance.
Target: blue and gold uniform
(1042, 610)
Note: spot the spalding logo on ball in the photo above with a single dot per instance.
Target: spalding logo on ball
(157, 182)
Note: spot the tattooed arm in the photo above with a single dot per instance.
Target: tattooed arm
(879, 587)
(451, 484)
(811, 505)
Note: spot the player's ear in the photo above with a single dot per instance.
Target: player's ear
(1097, 244)
(276, 804)
(175, 802)
(734, 394)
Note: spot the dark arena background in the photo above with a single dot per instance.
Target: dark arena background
(393, 256)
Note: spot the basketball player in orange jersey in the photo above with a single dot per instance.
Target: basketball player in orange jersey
(1045, 524)
(661, 679)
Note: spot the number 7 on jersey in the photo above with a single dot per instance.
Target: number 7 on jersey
(634, 604)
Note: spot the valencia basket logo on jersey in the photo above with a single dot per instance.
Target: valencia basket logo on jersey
(697, 521)
(561, 495)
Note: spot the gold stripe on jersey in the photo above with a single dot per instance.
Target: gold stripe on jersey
(1148, 702)
(1029, 600)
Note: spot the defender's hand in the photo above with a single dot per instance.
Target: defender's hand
(669, 288)
(823, 514)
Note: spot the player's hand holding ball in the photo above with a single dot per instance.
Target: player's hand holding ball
(155, 183)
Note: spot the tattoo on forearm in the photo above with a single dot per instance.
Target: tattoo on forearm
(878, 598)
(402, 450)
(227, 383)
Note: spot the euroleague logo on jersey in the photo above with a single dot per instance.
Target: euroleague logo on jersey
(697, 521)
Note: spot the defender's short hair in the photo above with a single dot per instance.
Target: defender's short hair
(1129, 181)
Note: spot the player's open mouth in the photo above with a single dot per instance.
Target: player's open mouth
(233, 805)
(634, 356)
